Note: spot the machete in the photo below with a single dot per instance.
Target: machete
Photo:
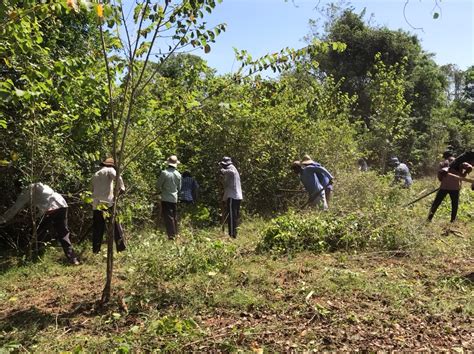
(422, 197)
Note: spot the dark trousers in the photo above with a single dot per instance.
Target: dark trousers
(98, 228)
(170, 217)
(58, 220)
(442, 193)
(233, 215)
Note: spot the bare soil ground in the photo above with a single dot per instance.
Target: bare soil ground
(367, 301)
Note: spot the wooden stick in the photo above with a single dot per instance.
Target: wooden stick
(422, 197)
(461, 178)
(292, 190)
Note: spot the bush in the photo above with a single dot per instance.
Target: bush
(366, 213)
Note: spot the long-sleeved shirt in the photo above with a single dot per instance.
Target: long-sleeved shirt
(324, 176)
(232, 188)
(402, 173)
(103, 186)
(189, 187)
(309, 178)
(169, 184)
(43, 198)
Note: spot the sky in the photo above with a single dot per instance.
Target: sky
(266, 26)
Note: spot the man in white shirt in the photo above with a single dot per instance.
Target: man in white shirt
(103, 200)
(53, 211)
(232, 194)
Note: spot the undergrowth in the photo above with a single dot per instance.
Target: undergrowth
(317, 272)
(367, 213)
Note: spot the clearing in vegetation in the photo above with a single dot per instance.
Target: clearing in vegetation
(323, 281)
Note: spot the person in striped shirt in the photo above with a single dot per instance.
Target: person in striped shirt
(189, 189)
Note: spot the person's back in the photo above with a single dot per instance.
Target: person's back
(169, 183)
(448, 182)
(189, 187)
(402, 173)
(232, 187)
(44, 198)
(310, 179)
(363, 167)
(102, 186)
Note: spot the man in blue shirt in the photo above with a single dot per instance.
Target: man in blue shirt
(316, 180)
(189, 189)
(325, 177)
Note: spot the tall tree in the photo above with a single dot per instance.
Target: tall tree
(424, 82)
(158, 29)
(48, 89)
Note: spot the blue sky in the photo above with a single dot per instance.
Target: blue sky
(262, 26)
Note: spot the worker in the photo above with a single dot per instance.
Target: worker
(102, 203)
(53, 211)
(402, 173)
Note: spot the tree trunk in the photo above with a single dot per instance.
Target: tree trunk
(110, 257)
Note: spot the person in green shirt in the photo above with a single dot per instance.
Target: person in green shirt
(169, 186)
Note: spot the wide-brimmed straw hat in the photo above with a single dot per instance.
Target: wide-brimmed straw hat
(307, 160)
(173, 161)
(226, 161)
(109, 162)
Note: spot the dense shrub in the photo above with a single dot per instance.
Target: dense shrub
(366, 213)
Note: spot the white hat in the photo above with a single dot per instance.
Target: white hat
(173, 161)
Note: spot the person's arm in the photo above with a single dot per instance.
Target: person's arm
(113, 175)
(469, 180)
(121, 185)
(466, 168)
(22, 200)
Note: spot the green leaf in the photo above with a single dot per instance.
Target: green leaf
(136, 12)
(20, 93)
(207, 48)
(143, 48)
(436, 15)
(3, 123)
